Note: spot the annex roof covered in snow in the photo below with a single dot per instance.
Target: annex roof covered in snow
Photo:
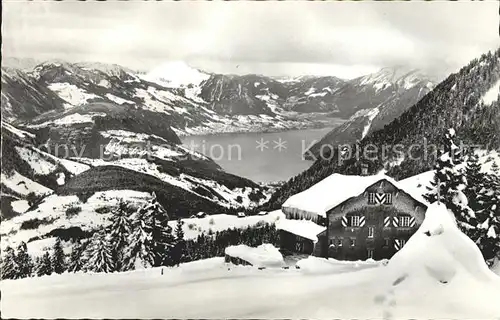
(335, 189)
(265, 255)
(304, 228)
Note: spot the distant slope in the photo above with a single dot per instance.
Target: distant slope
(313, 94)
(392, 91)
(27, 169)
(230, 94)
(176, 93)
(24, 98)
(458, 102)
(28, 173)
(175, 200)
(62, 172)
(106, 134)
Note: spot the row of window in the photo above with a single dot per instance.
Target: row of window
(379, 198)
(403, 221)
(338, 242)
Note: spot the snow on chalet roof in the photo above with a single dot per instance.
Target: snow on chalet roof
(304, 228)
(335, 189)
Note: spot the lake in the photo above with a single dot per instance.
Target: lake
(261, 157)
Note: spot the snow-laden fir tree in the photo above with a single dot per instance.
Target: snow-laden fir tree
(119, 231)
(58, 259)
(488, 218)
(475, 183)
(495, 169)
(10, 268)
(179, 251)
(475, 179)
(76, 259)
(44, 265)
(139, 252)
(100, 254)
(24, 261)
(449, 183)
(151, 239)
(162, 236)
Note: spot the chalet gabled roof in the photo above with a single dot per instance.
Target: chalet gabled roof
(337, 188)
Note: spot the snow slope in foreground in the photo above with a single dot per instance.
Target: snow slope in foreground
(437, 276)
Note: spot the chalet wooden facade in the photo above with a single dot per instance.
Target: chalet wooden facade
(374, 221)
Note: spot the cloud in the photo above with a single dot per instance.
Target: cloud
(275, 38)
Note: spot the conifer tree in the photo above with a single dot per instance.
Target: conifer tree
(151, 240)
(76, 258)
(475, 179)
(100, 254)
(44, 265)
(179, 252)
(495, 169)
(450, 182)
(140, 250)
(10, 268)
(488, 231)
(24, 261)
(119, 230)
(58, 258)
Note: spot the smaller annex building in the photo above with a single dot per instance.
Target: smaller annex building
(351, 218)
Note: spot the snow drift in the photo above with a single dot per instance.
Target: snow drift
(440, 250)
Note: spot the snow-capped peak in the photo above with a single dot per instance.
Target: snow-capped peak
(176, 74)
(386, 77)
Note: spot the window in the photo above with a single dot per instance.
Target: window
(379, 198)
(353, 242)
(370, 253)
(403, 242)
(371, 198)
(371, 231)
(354, 221)
(339, 242)
(404, 221)
(387, 241)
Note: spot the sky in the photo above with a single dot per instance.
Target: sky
(344, 39)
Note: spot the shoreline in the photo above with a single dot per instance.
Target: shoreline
(258, 130)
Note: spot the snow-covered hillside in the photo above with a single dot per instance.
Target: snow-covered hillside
(24, 98)
(376, 100)
(176, 74)
(437, 276)
(101, 161)
(29, 170)
(420, 183)
(173, 90)
(95, 212)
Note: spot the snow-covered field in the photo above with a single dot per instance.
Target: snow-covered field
(437, 276)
